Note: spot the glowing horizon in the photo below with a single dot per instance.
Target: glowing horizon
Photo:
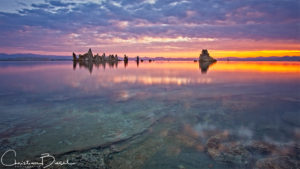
(195, 54)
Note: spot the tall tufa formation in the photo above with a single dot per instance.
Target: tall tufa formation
(90, 54)
(74, 56)
(204, 57)
(125, 58)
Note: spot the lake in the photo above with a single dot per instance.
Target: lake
(152, 115)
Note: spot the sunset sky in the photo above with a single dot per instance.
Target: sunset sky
(154, 28)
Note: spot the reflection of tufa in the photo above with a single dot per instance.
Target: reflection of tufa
(204, 57)
(204, 66)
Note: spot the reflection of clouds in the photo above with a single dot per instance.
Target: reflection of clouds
(151, 80)
(282, 148)
(175, 73)
(122, 95)
(60, 75)
(291, 99)
(109, 80)
(204, 130)
(74, 84)
(189, 137)
(244, 132)
(276, 142)
(297, 133)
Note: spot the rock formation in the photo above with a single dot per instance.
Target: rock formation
(137, 61)
(204, 57)
(95, 58)
(125, 61)
(221, 150)
(90, 54)
(125, 58)
(74, 56)
(88, 60)
(280, 162)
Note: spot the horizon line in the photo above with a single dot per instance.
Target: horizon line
(219, 57)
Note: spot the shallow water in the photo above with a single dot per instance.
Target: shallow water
(153, 115)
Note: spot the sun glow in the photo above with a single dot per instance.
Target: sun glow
(218, 53)
(264, 53)
(265, 67)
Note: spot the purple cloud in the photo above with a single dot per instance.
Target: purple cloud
(72, 23)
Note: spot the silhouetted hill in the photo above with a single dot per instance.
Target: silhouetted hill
(31, 57)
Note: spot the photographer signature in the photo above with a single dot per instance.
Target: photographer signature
(44, 157)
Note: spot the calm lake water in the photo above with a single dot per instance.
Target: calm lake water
(156, 115)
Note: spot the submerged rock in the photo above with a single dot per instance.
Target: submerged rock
(261, 147)
(227, 152)
(213, 145)
(235, 154)
(281, 162)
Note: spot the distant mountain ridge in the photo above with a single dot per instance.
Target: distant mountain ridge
(31, 57)
(36, 57)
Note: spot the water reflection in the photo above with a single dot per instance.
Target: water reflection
(125, 63)
(165, 114)
(233, 66)
(90, 64)
(204, 66)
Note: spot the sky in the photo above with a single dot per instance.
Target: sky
(153, 28)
